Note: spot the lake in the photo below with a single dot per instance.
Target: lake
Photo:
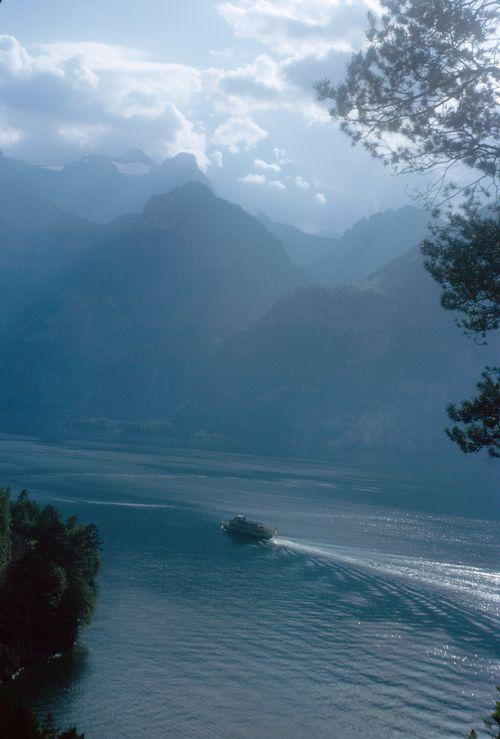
(374, 614)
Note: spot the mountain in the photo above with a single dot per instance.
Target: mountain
(98, 187)
(347, 369)
(303, 249)
(370, 244)
(38, 241)
(124, 333)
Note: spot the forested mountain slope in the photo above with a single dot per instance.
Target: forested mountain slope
(124, 332)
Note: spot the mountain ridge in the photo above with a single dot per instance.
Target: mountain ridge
(123, 333)
(333, 369)
(98, 187)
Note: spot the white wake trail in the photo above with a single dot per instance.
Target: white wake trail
(480, 585)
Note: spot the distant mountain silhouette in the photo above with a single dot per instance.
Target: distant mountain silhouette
(303, 248)
(124, 332)
(188, 308)
(38, 241)
(98, 187)
(370, 244)
(367, 368)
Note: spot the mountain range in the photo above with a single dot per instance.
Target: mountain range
(38, 241)
(304, 249)
(100, 188)
(124, 331)
(370, 244)
(186, 310)
(345, 369)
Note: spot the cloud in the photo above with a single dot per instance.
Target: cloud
(320, 198)
(217, 158)
(238, 132)
(281, 156)
(299, 28)
(262, 81)
(9, 135)
(301, 183)
(260, 179)
(272, 166)
(278, 184)
(97, 97)
(102, 98)
(253, 179)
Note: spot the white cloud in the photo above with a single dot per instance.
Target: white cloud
(299, 28)
(238, 132)
(229, 52)
(104, 98)
(281, 156)
(217, 158)
(13, 58)
(301, 183)
(9, 135)
(320, 198)
(266, 84)
(260, 179)
(272, 166)
(278, 184)
(262, 81)
(98, 97)
(254, 179)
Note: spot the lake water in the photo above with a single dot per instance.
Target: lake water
(375, 613)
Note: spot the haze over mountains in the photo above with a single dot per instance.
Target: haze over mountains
(370, 244)
(37, 242)
(328, 370)
(123, 332)
(186, 308)
(362, 249)
(304, 249)
(98, 187)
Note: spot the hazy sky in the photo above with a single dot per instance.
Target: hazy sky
(230, 81)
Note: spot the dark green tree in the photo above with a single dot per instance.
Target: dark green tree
(5, 534)
(25, 514)
(479, 418)
(464, 257)
(423, 97)
(20, 722)
(51, 591)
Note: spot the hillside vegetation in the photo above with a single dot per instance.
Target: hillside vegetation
(51, 590)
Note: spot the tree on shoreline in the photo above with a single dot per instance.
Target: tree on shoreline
(423, 98)
(20, 722)
(5, 535)
(51, 590)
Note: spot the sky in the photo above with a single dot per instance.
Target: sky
(230, 81)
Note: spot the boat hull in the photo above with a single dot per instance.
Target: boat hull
(240, 533)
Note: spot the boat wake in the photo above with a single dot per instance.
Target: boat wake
(112, 503)
(479, 586)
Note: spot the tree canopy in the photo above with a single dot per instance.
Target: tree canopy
(20, 722)
(51, 590)
(463, 255)
(423, 96)
(479, 419)
(4, 526)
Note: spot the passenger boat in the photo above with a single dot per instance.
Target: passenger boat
(242, 526)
